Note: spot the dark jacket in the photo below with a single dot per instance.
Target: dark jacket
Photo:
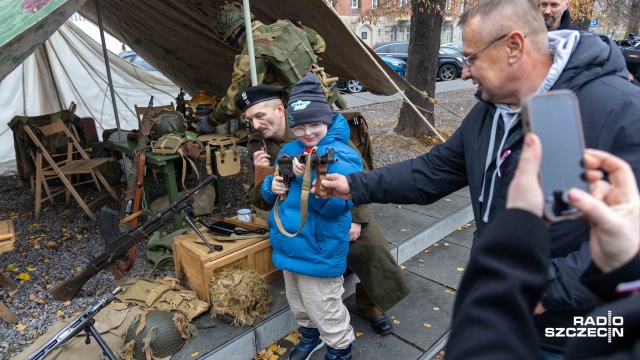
(565, 22)
(610, 108)
(502, 285)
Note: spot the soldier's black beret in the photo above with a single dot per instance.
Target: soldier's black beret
(257, 94)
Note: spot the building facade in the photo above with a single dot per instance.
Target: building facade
(385, 29)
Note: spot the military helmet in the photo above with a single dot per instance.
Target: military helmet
(230, 17)
(158, 333)
(167, 122)
(239, 295)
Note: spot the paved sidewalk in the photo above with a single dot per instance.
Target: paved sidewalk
(422, 319)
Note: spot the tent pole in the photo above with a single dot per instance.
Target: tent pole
(249, 44)
(106, 63)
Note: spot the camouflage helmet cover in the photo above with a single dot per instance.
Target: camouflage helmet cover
(230, 17)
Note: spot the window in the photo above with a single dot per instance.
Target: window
(392, 37)
(374, 4)
(363, 36)
(355, 4)
(407, 33)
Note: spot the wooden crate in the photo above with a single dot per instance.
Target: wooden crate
(195, 266)
(7, 236)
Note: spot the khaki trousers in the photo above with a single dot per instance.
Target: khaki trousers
(317, 303)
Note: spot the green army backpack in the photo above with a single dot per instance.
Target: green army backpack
(289, 55)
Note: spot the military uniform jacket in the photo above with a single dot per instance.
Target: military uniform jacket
(241, 77)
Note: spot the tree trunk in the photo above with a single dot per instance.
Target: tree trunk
(422, 65)
(633, 25)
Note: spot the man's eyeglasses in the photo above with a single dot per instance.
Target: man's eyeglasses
(466, 60)
(300, 130)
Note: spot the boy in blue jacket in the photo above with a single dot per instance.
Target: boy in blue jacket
(314, 260)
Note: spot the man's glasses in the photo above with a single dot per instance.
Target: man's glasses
(466, 60)
(300, 130)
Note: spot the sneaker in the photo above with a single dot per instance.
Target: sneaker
(335, 354)
(309, 343)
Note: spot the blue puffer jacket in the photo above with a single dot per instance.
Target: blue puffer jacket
(321, 248)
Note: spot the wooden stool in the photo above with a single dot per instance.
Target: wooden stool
(7, 240)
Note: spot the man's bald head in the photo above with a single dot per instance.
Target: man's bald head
(552, 11)
(500, 17)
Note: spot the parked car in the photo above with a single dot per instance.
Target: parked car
(354, 86)
(135, 59)
(455, 45)
(449, 59)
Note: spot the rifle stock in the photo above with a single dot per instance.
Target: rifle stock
(69, 288)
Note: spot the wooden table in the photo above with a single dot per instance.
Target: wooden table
(162, 163)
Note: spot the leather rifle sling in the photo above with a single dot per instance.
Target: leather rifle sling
(304, 199)
(136, 205)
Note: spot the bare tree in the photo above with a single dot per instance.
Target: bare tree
(633, 24)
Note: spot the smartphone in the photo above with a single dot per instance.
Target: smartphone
(555, 117)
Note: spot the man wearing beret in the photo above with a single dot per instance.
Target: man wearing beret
(382, 283)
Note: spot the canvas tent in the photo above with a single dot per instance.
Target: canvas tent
(177, 39)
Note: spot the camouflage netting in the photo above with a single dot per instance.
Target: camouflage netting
(239, 295)
(156, 334)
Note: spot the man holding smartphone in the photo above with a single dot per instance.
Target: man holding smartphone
(510, 55)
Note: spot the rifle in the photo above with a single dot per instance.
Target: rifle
(320, 162)
(180, 105)
(68, 289)
(84, 321)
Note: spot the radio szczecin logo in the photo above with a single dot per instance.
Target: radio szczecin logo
(591, 326)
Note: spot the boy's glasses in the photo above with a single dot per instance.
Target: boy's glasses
(300, 130)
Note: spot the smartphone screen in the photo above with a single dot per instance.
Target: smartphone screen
(555, 118)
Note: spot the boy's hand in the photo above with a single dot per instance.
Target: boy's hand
(278, 186)
(354, 232)
(260, 157)
(298, 168)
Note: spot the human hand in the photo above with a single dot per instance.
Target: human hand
(354, 232)
(204, 127)
(336, 185)
(615, 235)
(525, 192)
(298, 168)
(260, 157)
(539, 309)
(278, 186)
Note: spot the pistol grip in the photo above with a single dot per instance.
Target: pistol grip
(321, 174)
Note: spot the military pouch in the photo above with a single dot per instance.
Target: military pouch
(228, 160)
(168, 144)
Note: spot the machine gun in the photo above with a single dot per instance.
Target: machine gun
(84, 322)
(68, 289)
(319, 162)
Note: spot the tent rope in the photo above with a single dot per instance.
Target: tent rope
(424, 94)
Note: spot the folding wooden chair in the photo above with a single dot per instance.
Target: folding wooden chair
(48, 168)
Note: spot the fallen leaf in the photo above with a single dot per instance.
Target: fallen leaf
(52, 244)
(67, 303)
(32, 297)
(8, 300)
(34, 226)
(24, 276)
(282, 350)
(447, 200)
(21, 327)
(48, 286)
(358, 334)
(436, 244)
(31, 268)
(273, 347)
(402, 267)
(436, 308)
(399, 207)
(46, 261)
(427, 251)
(441, 352)
(420, 260)
(404, 230)
(195, 354)
(11, 267)
(40, 301)
(60, 313)
(449, 291)
(282, 292)
(393, 317)
(396, 322)
(460, 269)
(459, 228)
(36, 246)
(427, 325)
